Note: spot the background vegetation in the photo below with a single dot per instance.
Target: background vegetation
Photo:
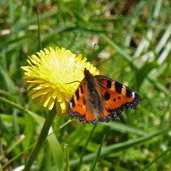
(128, 41)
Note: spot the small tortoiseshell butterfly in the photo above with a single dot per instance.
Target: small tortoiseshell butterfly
(99, 98)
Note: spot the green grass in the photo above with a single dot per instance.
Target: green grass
(128, 41)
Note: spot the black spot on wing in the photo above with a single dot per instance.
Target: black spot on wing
(107, 95)
(118, 87)
(77, 94)
(109, 84)
(81, 87)
(128, 93)
(72, 102)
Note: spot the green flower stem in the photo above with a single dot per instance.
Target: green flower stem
(66, 150)
(83, 151)
(44, 132)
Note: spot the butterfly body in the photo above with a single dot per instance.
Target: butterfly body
(93, 98)
(99, 98)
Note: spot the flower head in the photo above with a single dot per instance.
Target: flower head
(53, 76)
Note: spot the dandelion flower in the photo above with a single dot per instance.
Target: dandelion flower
(53, 76)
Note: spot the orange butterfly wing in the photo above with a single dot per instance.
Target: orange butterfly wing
(116, 97)
(77, 106)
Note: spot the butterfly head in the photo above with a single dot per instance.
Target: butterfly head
(87, 74)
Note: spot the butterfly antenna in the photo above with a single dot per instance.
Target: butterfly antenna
(73, 82)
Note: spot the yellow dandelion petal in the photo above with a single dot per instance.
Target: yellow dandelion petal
(51, 74)
(47, 99)
(51, 104)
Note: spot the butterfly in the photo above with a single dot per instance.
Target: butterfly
(99, 98)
